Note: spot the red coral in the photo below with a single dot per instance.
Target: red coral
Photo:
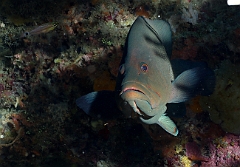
(194, 152)
(227, 155)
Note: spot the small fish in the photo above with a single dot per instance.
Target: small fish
(44, 28)
(148, 83)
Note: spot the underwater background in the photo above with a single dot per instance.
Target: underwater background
(54, 51)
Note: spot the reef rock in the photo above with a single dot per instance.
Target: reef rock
(224, 104)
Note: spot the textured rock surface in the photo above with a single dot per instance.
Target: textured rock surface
(224, 104)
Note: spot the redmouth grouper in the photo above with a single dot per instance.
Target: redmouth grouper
(148, 81)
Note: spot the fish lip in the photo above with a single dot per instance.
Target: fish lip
(131, 88)
(136, 86)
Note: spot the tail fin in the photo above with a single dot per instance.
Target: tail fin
(100, 104)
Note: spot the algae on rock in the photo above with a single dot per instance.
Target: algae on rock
(224, 104)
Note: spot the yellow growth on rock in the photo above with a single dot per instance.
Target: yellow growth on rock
(186, 162)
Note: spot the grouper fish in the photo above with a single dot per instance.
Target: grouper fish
(148, 81)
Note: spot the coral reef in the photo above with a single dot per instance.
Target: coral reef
(224, 155)
(42, 75)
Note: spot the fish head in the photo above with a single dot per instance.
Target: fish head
(143, 87)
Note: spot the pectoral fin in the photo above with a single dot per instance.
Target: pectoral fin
(164, 121)
(168, 125)
(204, 74)
(186, 85)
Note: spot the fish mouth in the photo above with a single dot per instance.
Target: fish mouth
(130, 94)
(136, 109)
(131, 89)
(133, 92)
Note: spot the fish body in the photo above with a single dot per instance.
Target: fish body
(44, 28)
(145, 74)
(146, 82)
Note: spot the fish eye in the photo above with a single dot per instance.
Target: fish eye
(26, 34)
(144, 67)
(121, 69)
